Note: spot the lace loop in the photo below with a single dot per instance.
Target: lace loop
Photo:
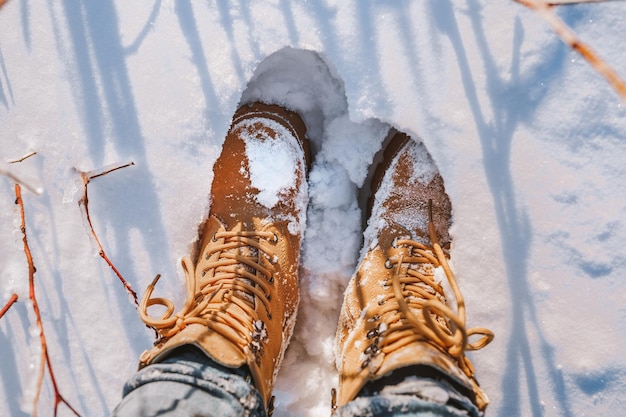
(240, 272)
(416, 311)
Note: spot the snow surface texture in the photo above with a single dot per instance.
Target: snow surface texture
(271, 168)
(270, 162)
(530, 141)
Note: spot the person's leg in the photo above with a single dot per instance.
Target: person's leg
(242, 284)
(416, 391)
(400, 341)
(188, 383)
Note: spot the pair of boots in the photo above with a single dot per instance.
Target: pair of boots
(242, 286)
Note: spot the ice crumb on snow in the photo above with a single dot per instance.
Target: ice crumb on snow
(295, 227)
(69, 192)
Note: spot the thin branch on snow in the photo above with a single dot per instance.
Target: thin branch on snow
(545, 10)
(568, 2)
(45, 358)
(104, 171)
(8, 305)
(6, 172)
(84, 205)
(25, 157)
(13, 299)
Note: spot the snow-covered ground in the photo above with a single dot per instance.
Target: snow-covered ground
(530, 141)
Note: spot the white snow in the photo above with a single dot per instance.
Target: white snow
(530, 141)
(271, 162)
(423, 172)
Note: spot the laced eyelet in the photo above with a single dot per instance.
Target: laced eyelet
(388, 264)
(275, 238)
(271, 280)
(214, 238)
(372, 349)
(394, 242)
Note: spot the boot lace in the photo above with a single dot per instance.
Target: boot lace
(413, 307)
(236, 271)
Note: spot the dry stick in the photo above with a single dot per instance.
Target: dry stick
(17, 180)
(28, 155)
(8, 305)
(14, 178)
(14, 297)
(569, 2)
(45, 357)
(84, 203)
(545, 10)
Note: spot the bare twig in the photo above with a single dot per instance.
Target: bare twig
(546, 11)
(104, 171)
(45, 357)
(6, 172)
(568, 2)
(28, 155)
(84, 204)
(8, 305)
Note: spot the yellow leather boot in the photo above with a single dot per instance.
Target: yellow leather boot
(395, 313)
(242, 289)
